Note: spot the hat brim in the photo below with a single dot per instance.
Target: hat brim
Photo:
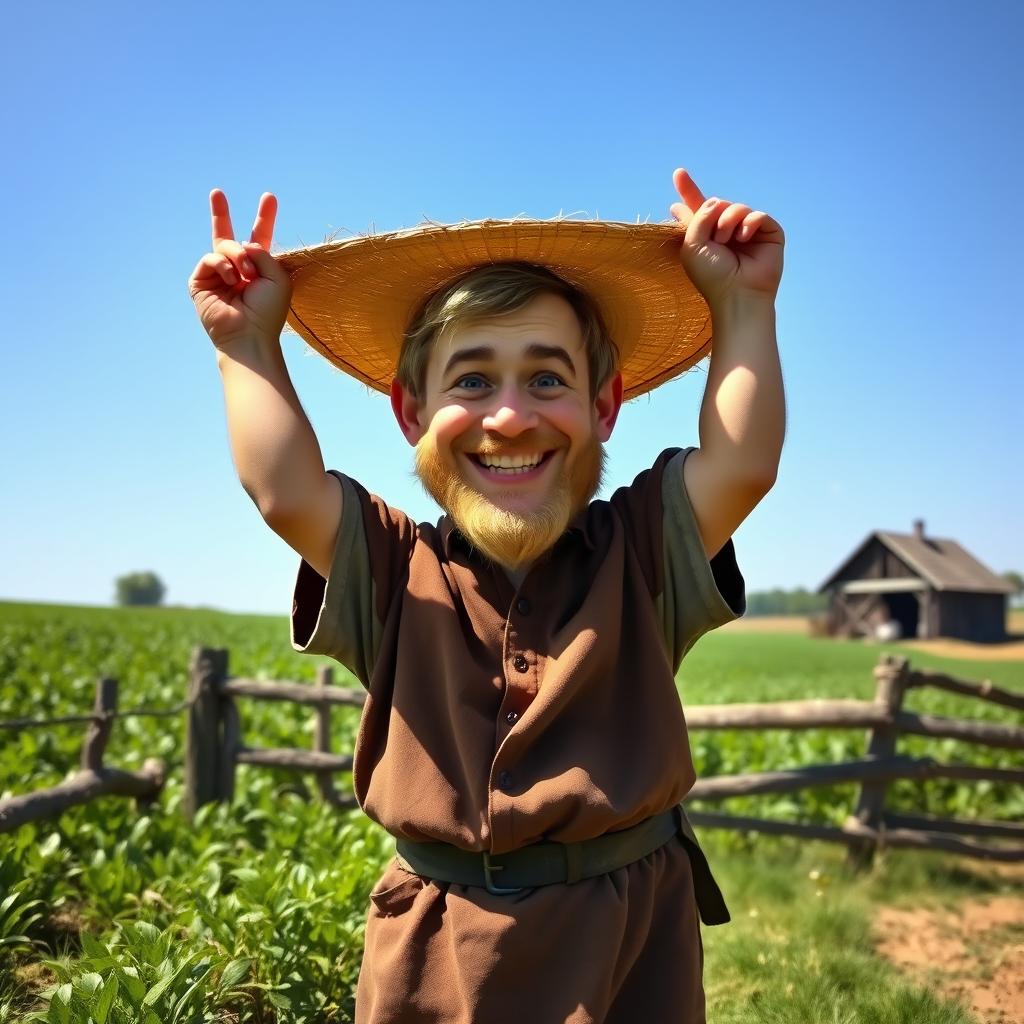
(352, 299)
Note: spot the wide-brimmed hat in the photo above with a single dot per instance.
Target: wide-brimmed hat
(353, 299)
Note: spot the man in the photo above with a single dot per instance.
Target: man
(522, 736)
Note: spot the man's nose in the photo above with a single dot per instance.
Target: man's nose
(511, 414)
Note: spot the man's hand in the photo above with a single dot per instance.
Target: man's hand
(238, 288)
(728, 248)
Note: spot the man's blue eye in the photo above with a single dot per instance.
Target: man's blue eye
(551, 376)
(461, 382)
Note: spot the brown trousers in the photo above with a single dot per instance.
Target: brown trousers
(620, 948)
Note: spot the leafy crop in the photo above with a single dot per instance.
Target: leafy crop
(255, 912)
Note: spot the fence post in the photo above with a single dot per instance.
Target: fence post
(322, 734)
(104, 707)
(203, 743)
(230, 741)
(891, 679)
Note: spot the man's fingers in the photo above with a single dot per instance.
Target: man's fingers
(728, 222)
(704, 221)
(235, 252)
(681, 212)
(210, 271)
(267, 266)
(687, 188)
(760, 222)
(263, 226)
(220, 218)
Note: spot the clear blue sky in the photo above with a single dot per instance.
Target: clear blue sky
(885, 138)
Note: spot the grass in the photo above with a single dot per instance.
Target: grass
(800, 945)
(256, 912)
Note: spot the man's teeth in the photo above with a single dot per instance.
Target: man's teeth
(510, 463)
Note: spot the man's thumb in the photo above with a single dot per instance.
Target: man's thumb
(266, 264)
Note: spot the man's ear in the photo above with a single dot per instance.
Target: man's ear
(607, 404)
(406, 409)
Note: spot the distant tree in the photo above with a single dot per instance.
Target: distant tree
(1016, 580)
(140, 588)
(786, 602)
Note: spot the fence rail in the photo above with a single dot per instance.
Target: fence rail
(214, 748)
(93, 779)
(871, 827)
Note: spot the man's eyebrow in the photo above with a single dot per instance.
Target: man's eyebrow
(469, 355)
(537, 351)
(482, 353)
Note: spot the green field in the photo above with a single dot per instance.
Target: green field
(255, 913)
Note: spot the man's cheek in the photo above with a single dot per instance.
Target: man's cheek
(450, 421)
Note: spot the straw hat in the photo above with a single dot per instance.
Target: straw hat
(352, 299)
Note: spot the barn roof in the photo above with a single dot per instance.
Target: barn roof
(942, 563)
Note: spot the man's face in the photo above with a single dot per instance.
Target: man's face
(513, 389)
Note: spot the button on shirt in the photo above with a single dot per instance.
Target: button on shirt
(498, 717)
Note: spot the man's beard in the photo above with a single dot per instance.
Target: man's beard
(511, 538)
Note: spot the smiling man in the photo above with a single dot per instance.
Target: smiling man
(508, 427)
(522, 737)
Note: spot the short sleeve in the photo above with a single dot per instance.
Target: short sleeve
(343, 616)
(699, 595)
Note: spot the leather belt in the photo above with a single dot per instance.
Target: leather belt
(550, 863)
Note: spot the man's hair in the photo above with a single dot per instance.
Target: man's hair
(491, 291)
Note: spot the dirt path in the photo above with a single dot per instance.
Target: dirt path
(974, 954)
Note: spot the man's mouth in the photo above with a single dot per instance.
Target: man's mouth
(511, 467)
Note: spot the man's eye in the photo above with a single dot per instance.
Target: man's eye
(551, 377)
(470, 381)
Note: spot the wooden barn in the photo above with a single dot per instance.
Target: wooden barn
(931, 586)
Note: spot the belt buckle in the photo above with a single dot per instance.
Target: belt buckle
(489, 868)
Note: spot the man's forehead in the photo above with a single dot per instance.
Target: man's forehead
(488, 341)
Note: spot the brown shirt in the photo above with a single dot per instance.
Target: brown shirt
(498, 717)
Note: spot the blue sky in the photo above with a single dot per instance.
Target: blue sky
(885, 138)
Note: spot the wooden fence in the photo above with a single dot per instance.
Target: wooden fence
(92, 779)
(871, 827)
(213, 742)
(214, 748)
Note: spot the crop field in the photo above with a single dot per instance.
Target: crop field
(255, 912)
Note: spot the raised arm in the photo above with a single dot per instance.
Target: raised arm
(734, 256)
(241, 295)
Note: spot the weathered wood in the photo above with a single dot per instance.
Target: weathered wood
(213, 748)
(908, 839)
(17, 724)
(854, 834)
(790, 780)
(230, 741)
(709, 819)
(989, 734)
(985, 690)
(296, 760)
(208, 668)
(720, 787)
(955, 826)
(788, 714)
(98, 733)
(82, 787)
(296, 693)
(890, 680)
(322, 733)
(972, 773)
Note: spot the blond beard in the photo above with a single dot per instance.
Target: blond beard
(512, 539)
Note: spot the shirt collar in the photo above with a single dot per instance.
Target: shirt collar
(451, 537)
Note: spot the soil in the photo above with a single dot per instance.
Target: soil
(973, 954)
(1012, 650)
